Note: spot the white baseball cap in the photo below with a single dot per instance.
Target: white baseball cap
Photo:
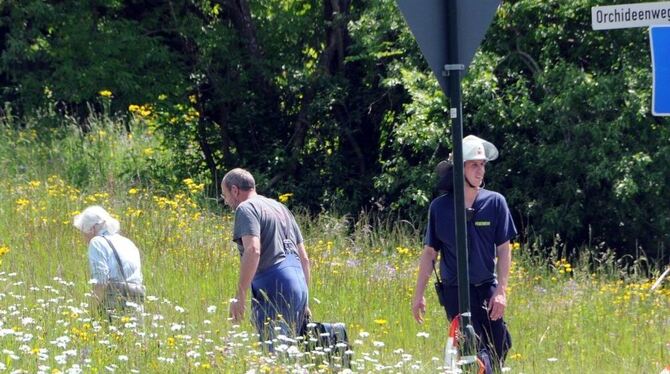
(475, 148)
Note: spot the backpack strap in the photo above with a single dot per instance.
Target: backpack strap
(118, 260)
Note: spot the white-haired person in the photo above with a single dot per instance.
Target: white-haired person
(114, 261)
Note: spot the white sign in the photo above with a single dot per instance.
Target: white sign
(630, 15)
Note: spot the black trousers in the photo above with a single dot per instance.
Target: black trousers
(494, 337)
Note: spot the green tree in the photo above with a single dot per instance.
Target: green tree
(333, 102)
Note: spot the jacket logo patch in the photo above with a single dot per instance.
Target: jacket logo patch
(482, 223)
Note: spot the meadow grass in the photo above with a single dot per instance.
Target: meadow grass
(565, 315)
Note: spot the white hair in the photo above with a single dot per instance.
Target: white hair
(95, 219)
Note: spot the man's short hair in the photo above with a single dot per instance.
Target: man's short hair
(240, 178)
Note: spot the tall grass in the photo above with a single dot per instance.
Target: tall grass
(566, 315)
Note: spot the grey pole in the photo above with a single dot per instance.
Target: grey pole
(454, 69)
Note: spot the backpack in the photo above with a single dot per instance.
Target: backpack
(331, 338)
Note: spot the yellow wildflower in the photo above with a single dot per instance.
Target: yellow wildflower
(402, 251)
(192, 186)
(284, 198)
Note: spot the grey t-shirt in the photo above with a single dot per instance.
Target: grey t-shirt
(270, 221)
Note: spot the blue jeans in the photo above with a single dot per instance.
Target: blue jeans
(279, 299)
(494, 338)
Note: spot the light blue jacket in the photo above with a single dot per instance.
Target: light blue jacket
(103, 264)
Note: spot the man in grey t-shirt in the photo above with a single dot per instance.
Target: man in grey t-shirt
(274, 261)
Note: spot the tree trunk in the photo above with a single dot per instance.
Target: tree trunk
(331, 61)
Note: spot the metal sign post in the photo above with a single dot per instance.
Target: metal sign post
(454, 70)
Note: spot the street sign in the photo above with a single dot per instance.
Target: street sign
(428, 21)
(630, 15)
(659, 39)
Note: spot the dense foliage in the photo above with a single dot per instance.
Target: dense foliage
(333, 102)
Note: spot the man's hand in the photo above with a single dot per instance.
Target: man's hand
(497, 304)
(419, 308)
(426, 263)
(308, 312)
(237, 308)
